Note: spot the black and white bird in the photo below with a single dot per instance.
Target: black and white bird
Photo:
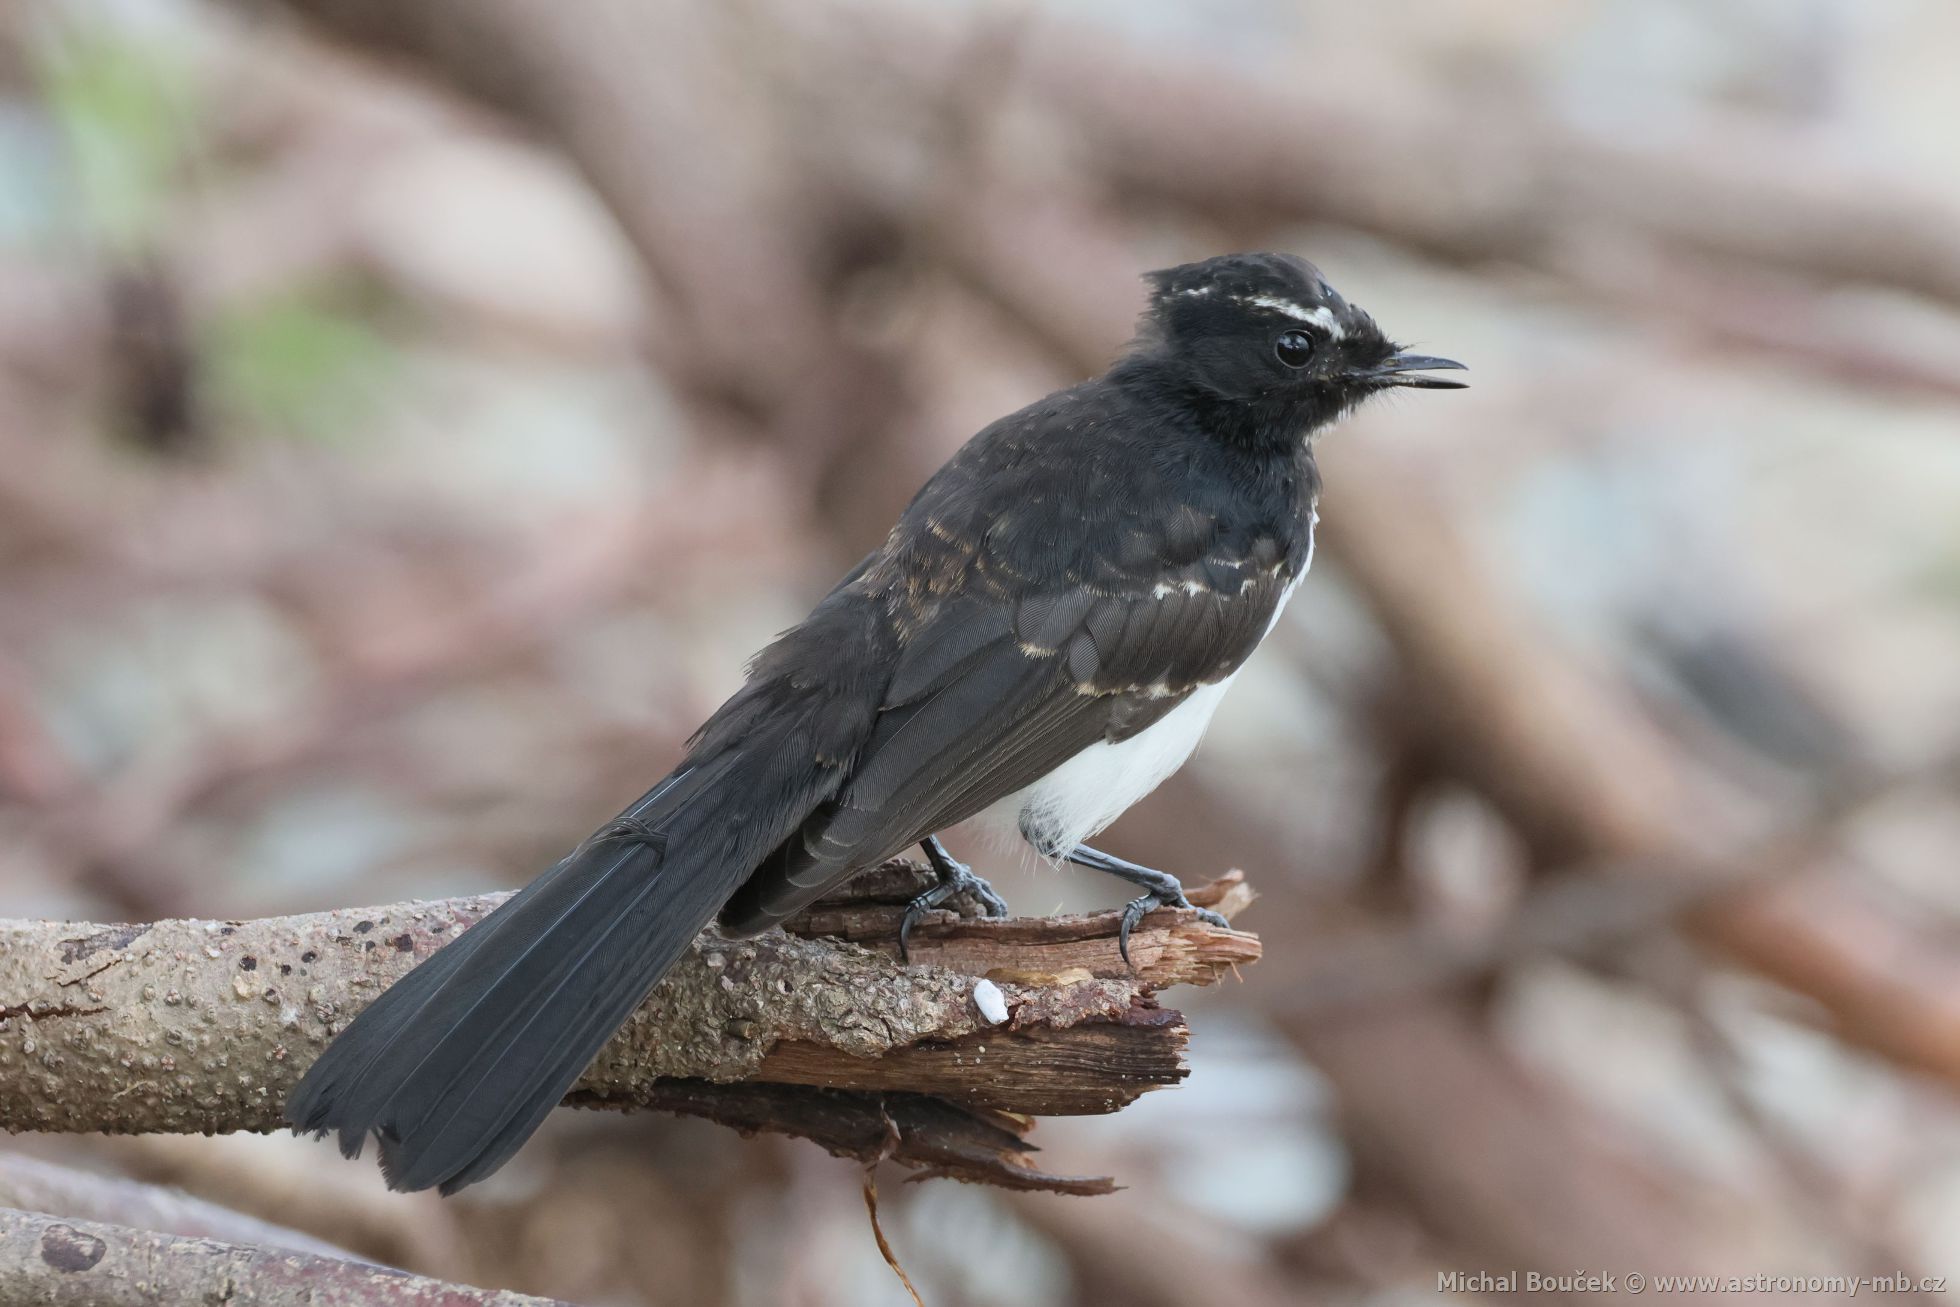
(1041, 640)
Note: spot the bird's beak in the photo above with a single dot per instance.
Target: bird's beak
(1405, 370)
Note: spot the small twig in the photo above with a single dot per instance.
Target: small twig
(878, 1233)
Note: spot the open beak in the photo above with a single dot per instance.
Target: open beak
(1406, 370)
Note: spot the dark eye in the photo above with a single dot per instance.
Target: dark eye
(1294, 348)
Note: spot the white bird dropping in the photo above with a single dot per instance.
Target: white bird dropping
(991, 1002)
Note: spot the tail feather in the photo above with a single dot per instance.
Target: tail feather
(532, 1055)
(460, 1061)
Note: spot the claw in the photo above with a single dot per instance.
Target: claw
(913, 911)
(1133, 912)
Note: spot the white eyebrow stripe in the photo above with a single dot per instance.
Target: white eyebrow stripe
(1320, 315)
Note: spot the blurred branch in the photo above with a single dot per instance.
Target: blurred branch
(1579, 769)
(33, 1185)
(1494, 1158)
(684, 159)
(1479, 172)
(1589, 906)
(112, 829)
(1835, 1204)
(183, 1026)
(1150, 1256)
(58, 1262)
(1498, 1163)
(1740, 231)
(344, 1207)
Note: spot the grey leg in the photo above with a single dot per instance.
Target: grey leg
(1160, 890)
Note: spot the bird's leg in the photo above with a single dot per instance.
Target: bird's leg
(1160, 889)
(954, 876)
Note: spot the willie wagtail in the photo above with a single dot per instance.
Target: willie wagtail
(1041, 639)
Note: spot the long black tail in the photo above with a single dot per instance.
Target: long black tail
(454, 1066)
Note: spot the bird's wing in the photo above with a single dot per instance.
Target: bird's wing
(995, 687)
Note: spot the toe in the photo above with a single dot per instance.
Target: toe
(989, 899)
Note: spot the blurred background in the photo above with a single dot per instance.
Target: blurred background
(412, 415)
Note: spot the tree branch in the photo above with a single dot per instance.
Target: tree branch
(56, 1262)
(204, 1026)
(33, 1185)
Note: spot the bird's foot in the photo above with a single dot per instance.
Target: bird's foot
(1171, 896)
(1160, 890)
(955, 878)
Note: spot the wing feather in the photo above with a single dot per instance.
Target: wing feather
(992, 692)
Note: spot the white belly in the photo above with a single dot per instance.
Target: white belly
(1093, 788)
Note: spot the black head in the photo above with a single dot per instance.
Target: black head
(1263, 337)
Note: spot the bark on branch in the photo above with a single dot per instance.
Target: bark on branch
(59, 1262)
(32, 1185)
(820, 1031)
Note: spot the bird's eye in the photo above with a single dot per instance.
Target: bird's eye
(1294, 348)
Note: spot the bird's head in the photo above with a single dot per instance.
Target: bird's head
(1263, 337)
